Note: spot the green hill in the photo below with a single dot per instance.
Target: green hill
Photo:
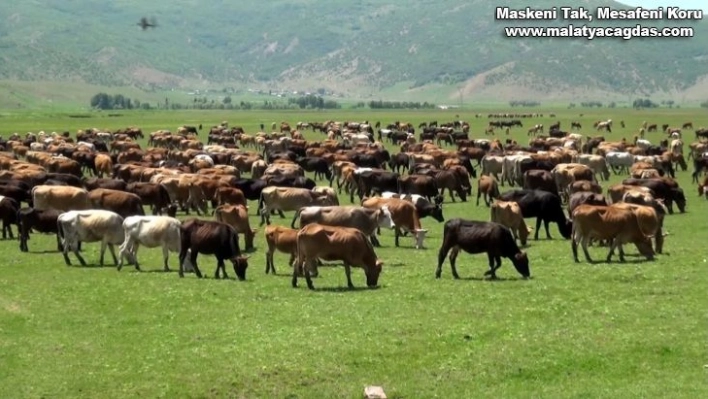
(349, 46)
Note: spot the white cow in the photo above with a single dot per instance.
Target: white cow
(619, 161)
(150, 231)
(90, 225)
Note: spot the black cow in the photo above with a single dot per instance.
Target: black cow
(292, 181)
(42, 221)
(211, 238)
(374, 181)
(665, 189)
(152, 194)
(543, 206)
(699, 165)
(476, 237)
(399, 161)
(8, 215)
(66, 178)
(251, 188)
(17, 193)
(317, 165)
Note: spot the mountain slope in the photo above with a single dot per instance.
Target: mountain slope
(346, 45)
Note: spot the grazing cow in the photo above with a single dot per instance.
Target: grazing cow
(587, 198)
(211, 238)
(584, 185)
(287, 199)
(419, 184)
(90, 225)
(282, 239)
(358, 217)
(152, 194)
(618, 225)
(403, 214)
(42, 221)
(487, 186)
(423, 207)
(596, 163)
(123, 203)
(663, 189)
(476, 237)
(151, 232)
(509, 214)
(619, 161)
(8, 214)
(316, 241)
(236, 216)
(62, 198)
(543, 206)
(656, 213)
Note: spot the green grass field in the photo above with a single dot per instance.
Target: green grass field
(573, 331)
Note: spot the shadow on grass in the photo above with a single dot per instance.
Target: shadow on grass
(493, 280)
(345, 289)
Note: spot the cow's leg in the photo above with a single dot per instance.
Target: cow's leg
(374, 240)
(452, 195)
(584, 243)
(280, 212)
(103, 252)
(165, 256)
(193, 260)
(621, 252)
(479, 194)
(574, 247)
(220, 265)
(538, 228)
(348, 273)
(78, 255)
(453, 257)
(65, 253)
(492, 270)
(112, 249)
(613, 244)
(444, 249)
(546, 222)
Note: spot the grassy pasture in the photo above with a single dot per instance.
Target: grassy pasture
(574, 330)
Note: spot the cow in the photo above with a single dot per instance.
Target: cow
(151, 232)
(659, 213)
(90, 225)
(487, 186)
(585, 197)
(8, 214)
(236, 216)
(508, 213)
(618, 225)
(475, 237)
(282, 239)
(542, 205)
(403, 214)
(63, 198)
(423, 207)
(316, 241)
(152, 194)
(664, 189)
(287, 199)
(211, 238)
(364, 219)
(42, 221)
(539, 179)
(123, 203)
(596, 163)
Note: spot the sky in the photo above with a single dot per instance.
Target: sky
(686, 4)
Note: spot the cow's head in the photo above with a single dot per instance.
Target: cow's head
(438, 199)
(240, 265)
(373, 273)
(521, 263)
(680, 199)
(385, 219)
(437, 213)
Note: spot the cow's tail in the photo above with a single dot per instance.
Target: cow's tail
(61, 234)
(260, 202)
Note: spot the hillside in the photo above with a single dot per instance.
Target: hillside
(350, 46)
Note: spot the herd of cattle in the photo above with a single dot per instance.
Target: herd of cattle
(94, 188)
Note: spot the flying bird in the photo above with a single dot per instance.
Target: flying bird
(145, 24)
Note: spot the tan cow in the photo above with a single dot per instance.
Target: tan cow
(282, 239)
(508, 213)
(61, 198)
(236, 216)
(288, 199)
(403, 214)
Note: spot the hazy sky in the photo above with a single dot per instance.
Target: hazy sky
(687, 4)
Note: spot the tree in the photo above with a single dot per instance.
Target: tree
(226, 100)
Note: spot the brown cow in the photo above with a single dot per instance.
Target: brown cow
(62, 198)
(236, 216)
(403, 214)
(488, 186)
(229, 195)
(282, 239)
(123, 203)
(508, 213)
(618, 225)
(330, 243)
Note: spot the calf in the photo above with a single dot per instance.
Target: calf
(282, 239)
(211, 238)
(508, 213)
(89, 226)
(150, 231)
(403, 215)
(349, 245)
(42, 221)
(476, 237)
